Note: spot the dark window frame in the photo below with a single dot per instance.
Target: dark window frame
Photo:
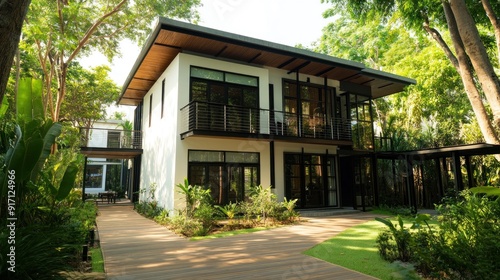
(162, 96)
(150, 108)
(225, 166)
(301, 162)
(226, 85)
(113, 139)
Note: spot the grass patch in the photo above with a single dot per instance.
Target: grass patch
(355, 248)
(97, 260)
(229, 233)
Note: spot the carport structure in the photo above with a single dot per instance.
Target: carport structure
(421, 178)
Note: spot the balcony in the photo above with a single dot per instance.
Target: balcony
(202, 118)
(110, 143)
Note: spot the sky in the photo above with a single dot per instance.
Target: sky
(288, 22)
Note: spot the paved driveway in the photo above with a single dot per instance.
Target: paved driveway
(137, 248)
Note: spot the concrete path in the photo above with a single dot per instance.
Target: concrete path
(137, 248)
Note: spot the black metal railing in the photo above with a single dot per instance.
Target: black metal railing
(204, 116)
(110, 138)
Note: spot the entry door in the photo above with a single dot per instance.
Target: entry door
(314, 189)
(312, 180)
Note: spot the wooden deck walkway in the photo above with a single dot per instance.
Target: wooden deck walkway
(137, 248)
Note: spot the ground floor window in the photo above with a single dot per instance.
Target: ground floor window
(93, 178)
(104, 176)
(311, 179)
(228, 175)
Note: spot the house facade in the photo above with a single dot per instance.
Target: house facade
(229, 112)
(103, 174)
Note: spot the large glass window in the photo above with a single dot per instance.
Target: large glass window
(362, 129)
(311, 179)
(224, 88)
(225, 101)
(93, 176)
(308, 109)
(228, 175)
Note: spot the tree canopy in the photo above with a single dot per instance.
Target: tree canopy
(419, 116)
(58, 33)
(468, 34)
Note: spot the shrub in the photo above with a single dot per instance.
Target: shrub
(230, 210)
(394, 243)
(180, 224)
(465, 245)
(285, 212)
(470, 228)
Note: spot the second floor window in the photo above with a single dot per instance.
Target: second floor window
(214, 86)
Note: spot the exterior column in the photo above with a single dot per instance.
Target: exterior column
(272, 162)
(459, 183)
(411, 186)
(470, 178)
(437, 162)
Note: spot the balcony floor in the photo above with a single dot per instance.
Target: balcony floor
(112, 153)
(264, 137)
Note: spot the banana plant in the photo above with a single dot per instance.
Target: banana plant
(27, 156)
(29, 100)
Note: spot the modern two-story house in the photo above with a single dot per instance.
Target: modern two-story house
(229, 112)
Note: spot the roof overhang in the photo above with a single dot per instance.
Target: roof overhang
(171, 37)
(480, 149)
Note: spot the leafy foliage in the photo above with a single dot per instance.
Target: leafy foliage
(58, 33)
(462, 246)
(200, 216)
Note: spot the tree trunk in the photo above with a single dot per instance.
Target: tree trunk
(466, 73)
(12, 14)
(478, 56)
(494, 22)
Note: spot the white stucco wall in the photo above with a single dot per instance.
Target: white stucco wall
(165, 156)
(159, 140)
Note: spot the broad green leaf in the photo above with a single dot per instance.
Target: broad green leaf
(26, 152)
(489, 191)
(48, 140)
(36, 102)
(24, 100)
(67, 182)
(386, 222)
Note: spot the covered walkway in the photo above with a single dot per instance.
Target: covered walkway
(137, 248)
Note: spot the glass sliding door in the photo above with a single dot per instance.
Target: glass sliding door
(311, 179)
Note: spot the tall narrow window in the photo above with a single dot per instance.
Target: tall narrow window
(150, 108)
(162, 96)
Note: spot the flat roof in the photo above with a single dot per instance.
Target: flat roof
(171, 37)
(479, 149)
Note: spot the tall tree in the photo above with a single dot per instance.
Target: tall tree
(472, 27)
(421, 112)
(12, 14)
(59, 32)
(91, 87)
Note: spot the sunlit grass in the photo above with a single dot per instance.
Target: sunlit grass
(97, 260)
(229, 233)
(355, 248)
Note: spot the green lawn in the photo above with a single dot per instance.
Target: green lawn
(355, 248)
(97, 260)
